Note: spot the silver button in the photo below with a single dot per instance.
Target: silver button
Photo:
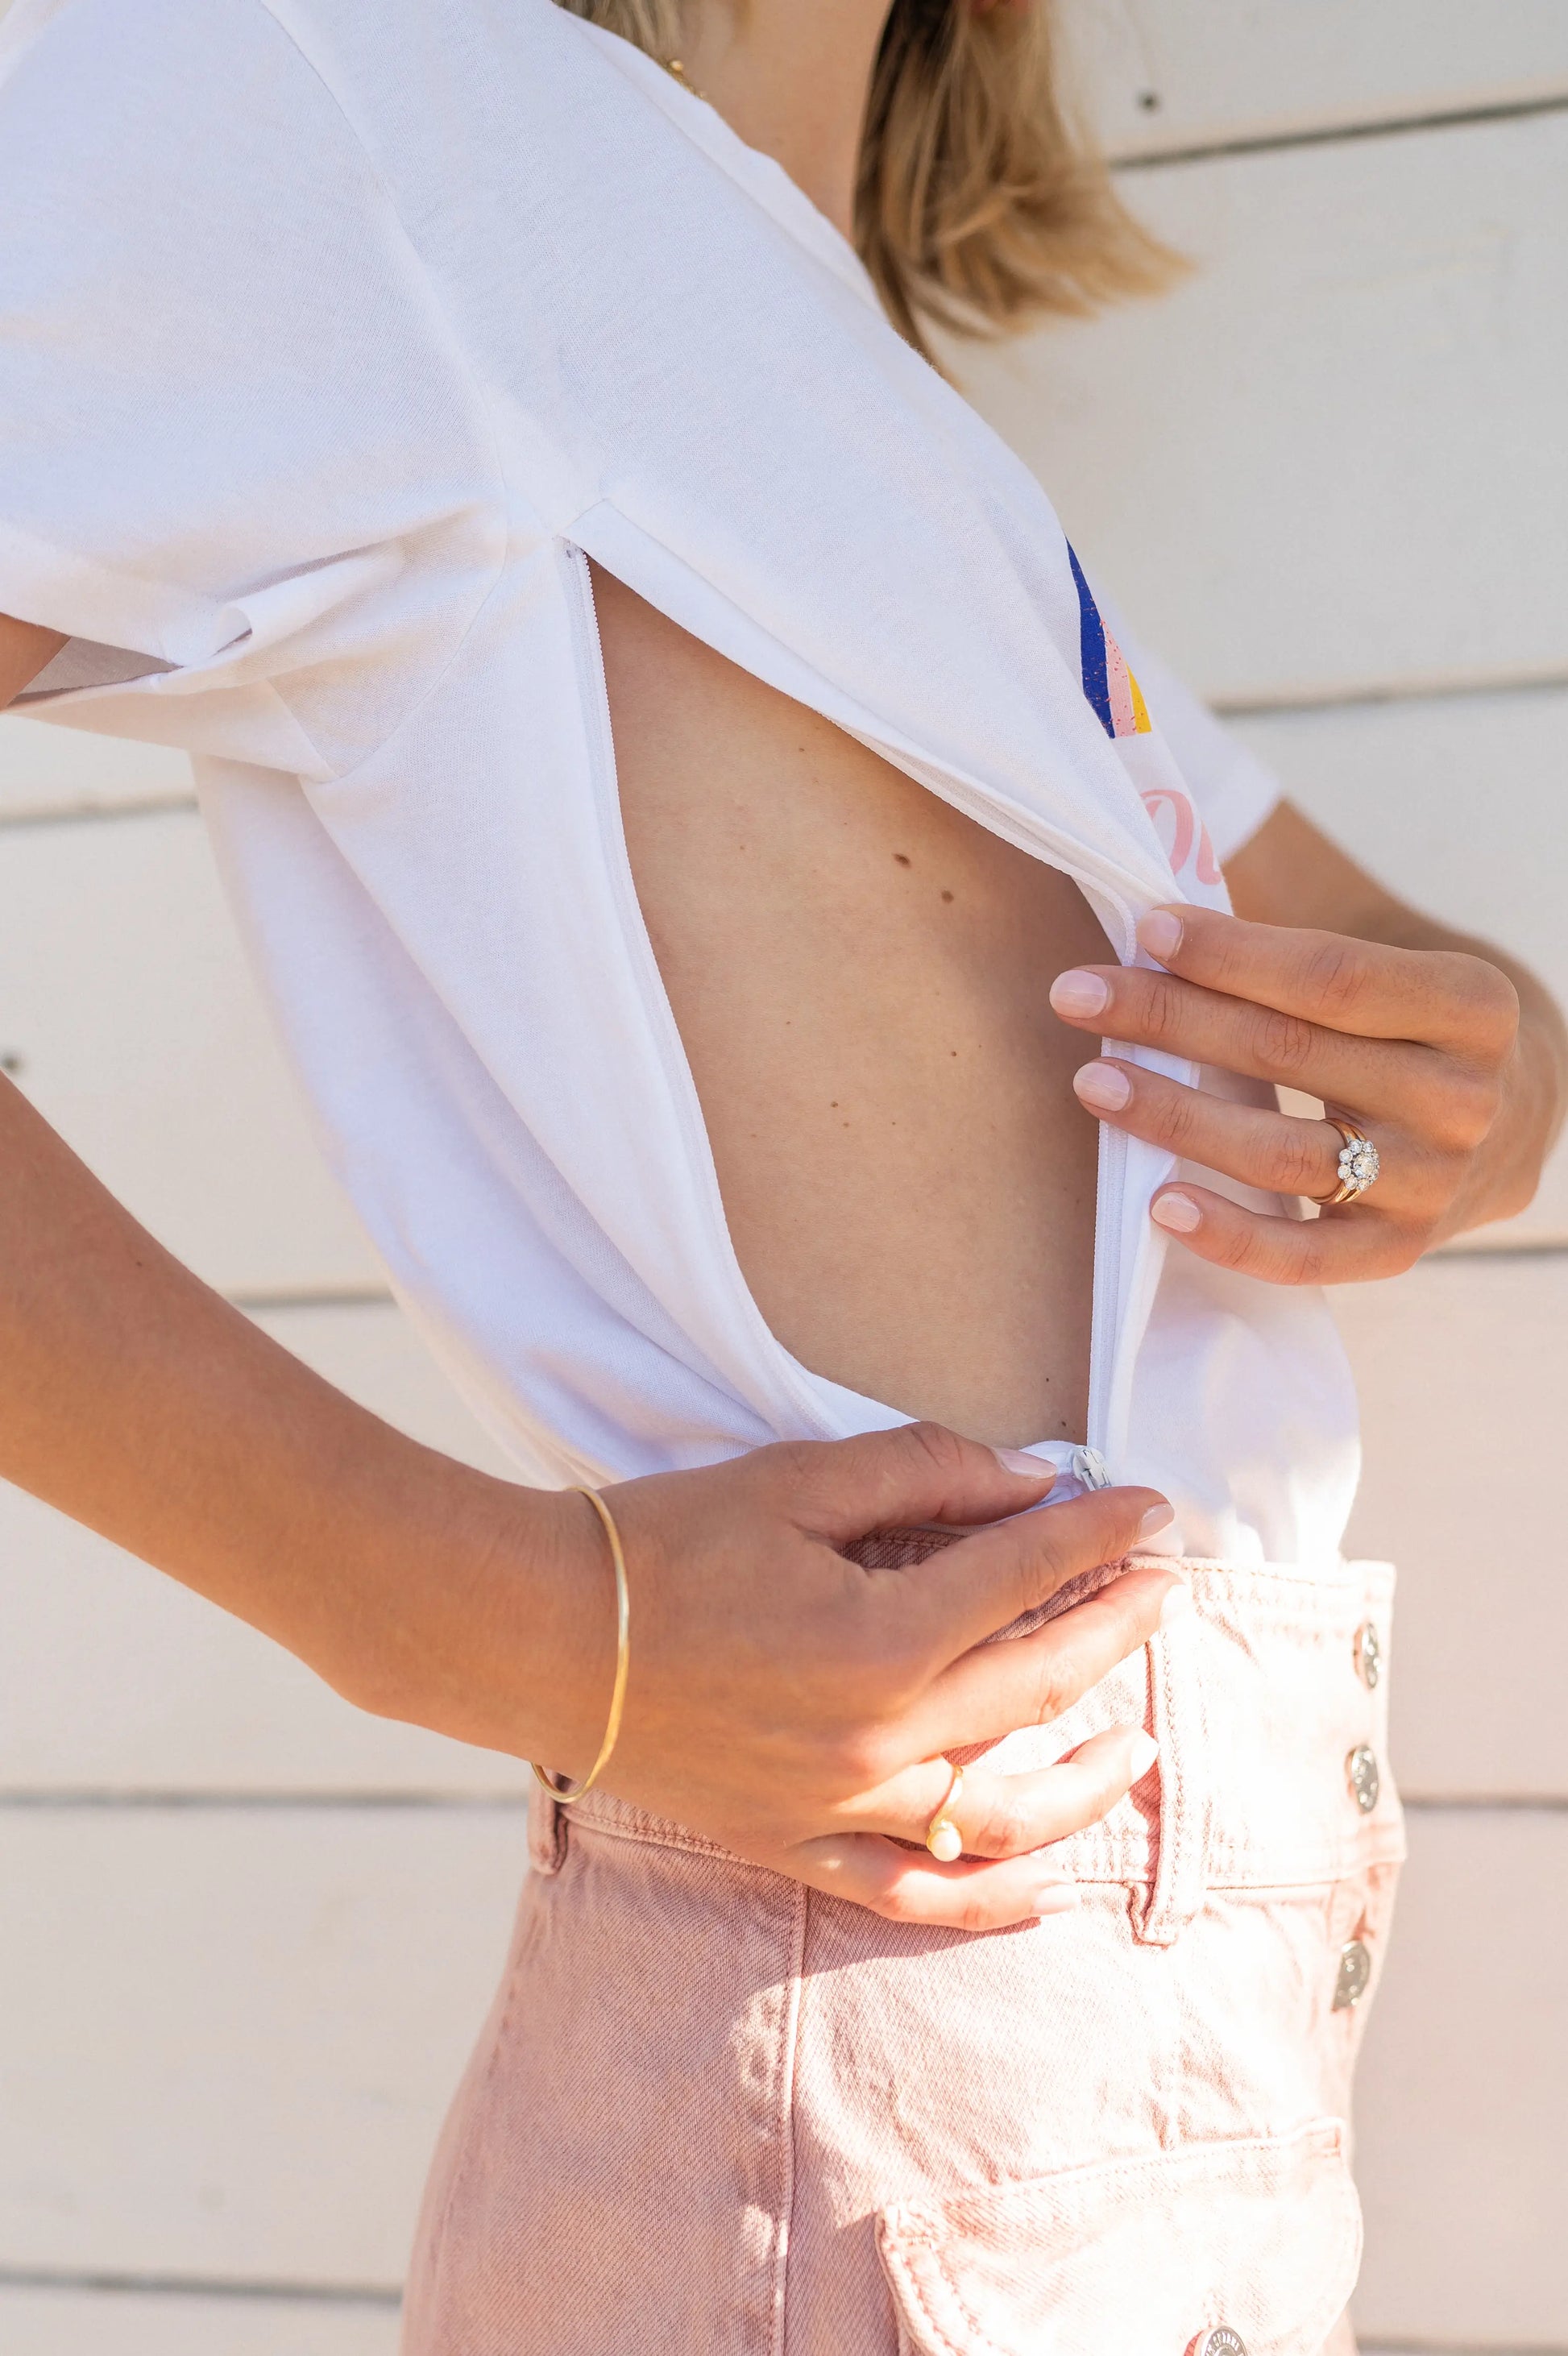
(1361, 1768)
(1221, 2342)
(1354, 1971)
(1368, 1654)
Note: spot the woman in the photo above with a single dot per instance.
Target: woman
(692, 821)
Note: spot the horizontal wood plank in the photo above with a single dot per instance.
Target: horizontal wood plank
(1161, 74)
(1463, 2092)
(227, 2041)
(1460, 804)
(116, 1679)
(50, 2322)
(1333, 459)
(1463, 1370)
(129, 1016)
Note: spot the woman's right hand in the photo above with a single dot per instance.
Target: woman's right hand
(797, 1709)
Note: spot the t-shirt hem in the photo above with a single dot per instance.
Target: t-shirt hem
(58, 589)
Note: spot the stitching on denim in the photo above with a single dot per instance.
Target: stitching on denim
(652, 1832)
(1158, 1926)
(1175, 1895)
(787, 2063)
(655, 1833)
(546, 1835)
(923, 2228)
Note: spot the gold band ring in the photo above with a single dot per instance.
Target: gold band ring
(1358, 1166)
(943, 1837)
(551, 1783)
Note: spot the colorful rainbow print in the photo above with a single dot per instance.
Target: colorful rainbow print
(1112, 690)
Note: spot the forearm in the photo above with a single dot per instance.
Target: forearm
(141, 1403)
(1507, 1167)
(24, 650)
(1292, 873)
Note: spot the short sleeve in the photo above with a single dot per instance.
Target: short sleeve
(236, 442)
(1233, 790)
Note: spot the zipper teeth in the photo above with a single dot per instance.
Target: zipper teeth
(597, 683)
(1104, 1330)
(682, 1086)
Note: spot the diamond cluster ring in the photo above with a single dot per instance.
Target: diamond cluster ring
(1359, 1165)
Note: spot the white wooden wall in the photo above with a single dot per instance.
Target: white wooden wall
(247, 1937)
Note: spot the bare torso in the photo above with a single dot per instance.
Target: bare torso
(860, 975)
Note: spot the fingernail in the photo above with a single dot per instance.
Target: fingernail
(1177, 1212)
(1056, 1898)
(1101, 1086)
(1018, 1459)
(1077, 992)
(1142, 1753)
(1158, 1517)
(1160, 933)
(1177, 1603)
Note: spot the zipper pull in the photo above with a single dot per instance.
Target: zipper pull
(1090, 1469)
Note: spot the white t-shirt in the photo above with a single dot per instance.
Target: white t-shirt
(333, 339)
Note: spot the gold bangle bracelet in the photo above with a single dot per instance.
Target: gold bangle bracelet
(623, 1662)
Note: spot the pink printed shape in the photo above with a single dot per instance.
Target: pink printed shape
(1184, 822)
(1119, 690)
(1188, 831)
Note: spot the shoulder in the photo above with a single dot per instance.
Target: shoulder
(219, 96)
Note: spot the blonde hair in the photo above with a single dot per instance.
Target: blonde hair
(980, 205)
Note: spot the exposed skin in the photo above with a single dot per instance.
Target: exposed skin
(24, 651)
(781, 1700)
(791, 1705)
(861, 978)
(863, 982)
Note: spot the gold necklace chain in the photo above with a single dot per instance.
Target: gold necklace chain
(673, 66)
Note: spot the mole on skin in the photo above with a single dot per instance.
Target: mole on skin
(936, 1251)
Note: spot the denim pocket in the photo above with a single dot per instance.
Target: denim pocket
(1256, 2243)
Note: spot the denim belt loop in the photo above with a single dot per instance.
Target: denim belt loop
(1162, 1914)
(546, 1833)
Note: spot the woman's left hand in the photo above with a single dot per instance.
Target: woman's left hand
(1415, 1047)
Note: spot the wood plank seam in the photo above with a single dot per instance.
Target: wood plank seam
(202, 2286)
(262, 1301)
(500, 1802)
(1497, 1255)
(1378, 693)
(1334, 134)
(96, 813)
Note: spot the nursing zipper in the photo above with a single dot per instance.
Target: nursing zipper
(1105, 1318)
(588, 646)
(1108, 1376)
(1089, 1469)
